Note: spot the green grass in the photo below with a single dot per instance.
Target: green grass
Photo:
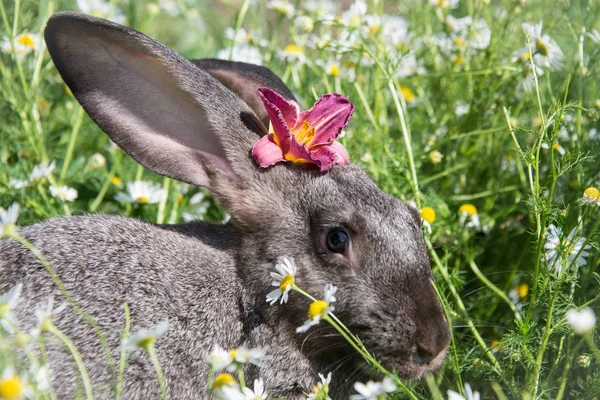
(494, 157)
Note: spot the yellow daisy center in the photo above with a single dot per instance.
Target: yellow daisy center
(522, 290)
(408, 94)
(223, 380)
(11, 388)
(180, 199)
(233, 353)
(541, 47)
(307, 132)
(469, 209)
(3, 309)
(334, 70)
(142, 199)
(556, 147)
(292, 48)
(26, 40)
(428, 214)
(116, 180)
(287, 280)
(317, 308)
(459, 41)
(589, 192)
(374, 29)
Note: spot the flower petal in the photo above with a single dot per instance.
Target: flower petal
(283, 115)
(330, 114)
(266, 152)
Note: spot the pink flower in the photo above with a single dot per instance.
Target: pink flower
(303, 136)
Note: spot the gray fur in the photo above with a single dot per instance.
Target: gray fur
(210, 281)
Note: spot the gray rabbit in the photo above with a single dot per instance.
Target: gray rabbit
(197, 121)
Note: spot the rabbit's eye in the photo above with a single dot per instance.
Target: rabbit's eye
(337, 241)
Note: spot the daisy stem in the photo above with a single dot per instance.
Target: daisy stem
(534, 382)
(241, 377)
(76, 356)
(123, 359)
(71, 147)
(367, 356)
(406, 134)
(494, 288)
(302, 292)
(86, 317)
(159, 374)
(462, 307)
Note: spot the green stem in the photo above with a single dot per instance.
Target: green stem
(159, 374)
(123, 358)
(86, 317)
(73, 139)
(76, 356)
(534, 382)
(494, 288)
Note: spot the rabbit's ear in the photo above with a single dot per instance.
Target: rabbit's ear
(169, 115)
(244, 79)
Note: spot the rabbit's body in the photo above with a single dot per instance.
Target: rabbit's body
(211, 282)
(186, 274)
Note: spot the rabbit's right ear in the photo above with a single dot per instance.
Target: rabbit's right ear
(169, 115)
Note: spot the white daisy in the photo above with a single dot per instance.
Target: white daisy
(244, 355)
(242, 53)
(581, 321)
(225, 387)
(44, 313)
(293, 54)
(304, 23)
(469, 211)
(64, 193)
(8, 219)
(546, 51)
(8, 302)
(144, 337)
(18, 183)
(563, 251)
(258, 393)
(594, 35)
(283, 7)
(461, 108)
(354, 15)
(319, 309)
(101, 9)
(96, 161)
(198, 206)
(219, 358)
(25, 43)
(591, 196)
(41, 171)
(141, 192)
(444, 4)
(321, 389)
(469, 394)
(373, 390)
(284, 279)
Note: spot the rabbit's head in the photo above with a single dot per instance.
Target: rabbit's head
(198, 122)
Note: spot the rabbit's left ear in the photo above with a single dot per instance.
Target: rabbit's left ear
(169, 115)
(244, 80)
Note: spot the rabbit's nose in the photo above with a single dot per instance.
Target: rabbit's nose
(423, 354)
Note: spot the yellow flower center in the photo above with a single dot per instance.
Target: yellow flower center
(26, 40)
(180, 199)
(458, 60)
(223, 380)
(292, 48)
(469, 209)
(233, 353)
(146, 342)
(589, 192)
(3, 309)
(116, 180)
(541, 48)
(317, 308)
(522, 290)
(334, 70)
(459, 41)
(428, 214)
(11, 388)
(307, 132)
(287, 280)
(374, 29)
(409, 96)
(142, 199)
(557, 147)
